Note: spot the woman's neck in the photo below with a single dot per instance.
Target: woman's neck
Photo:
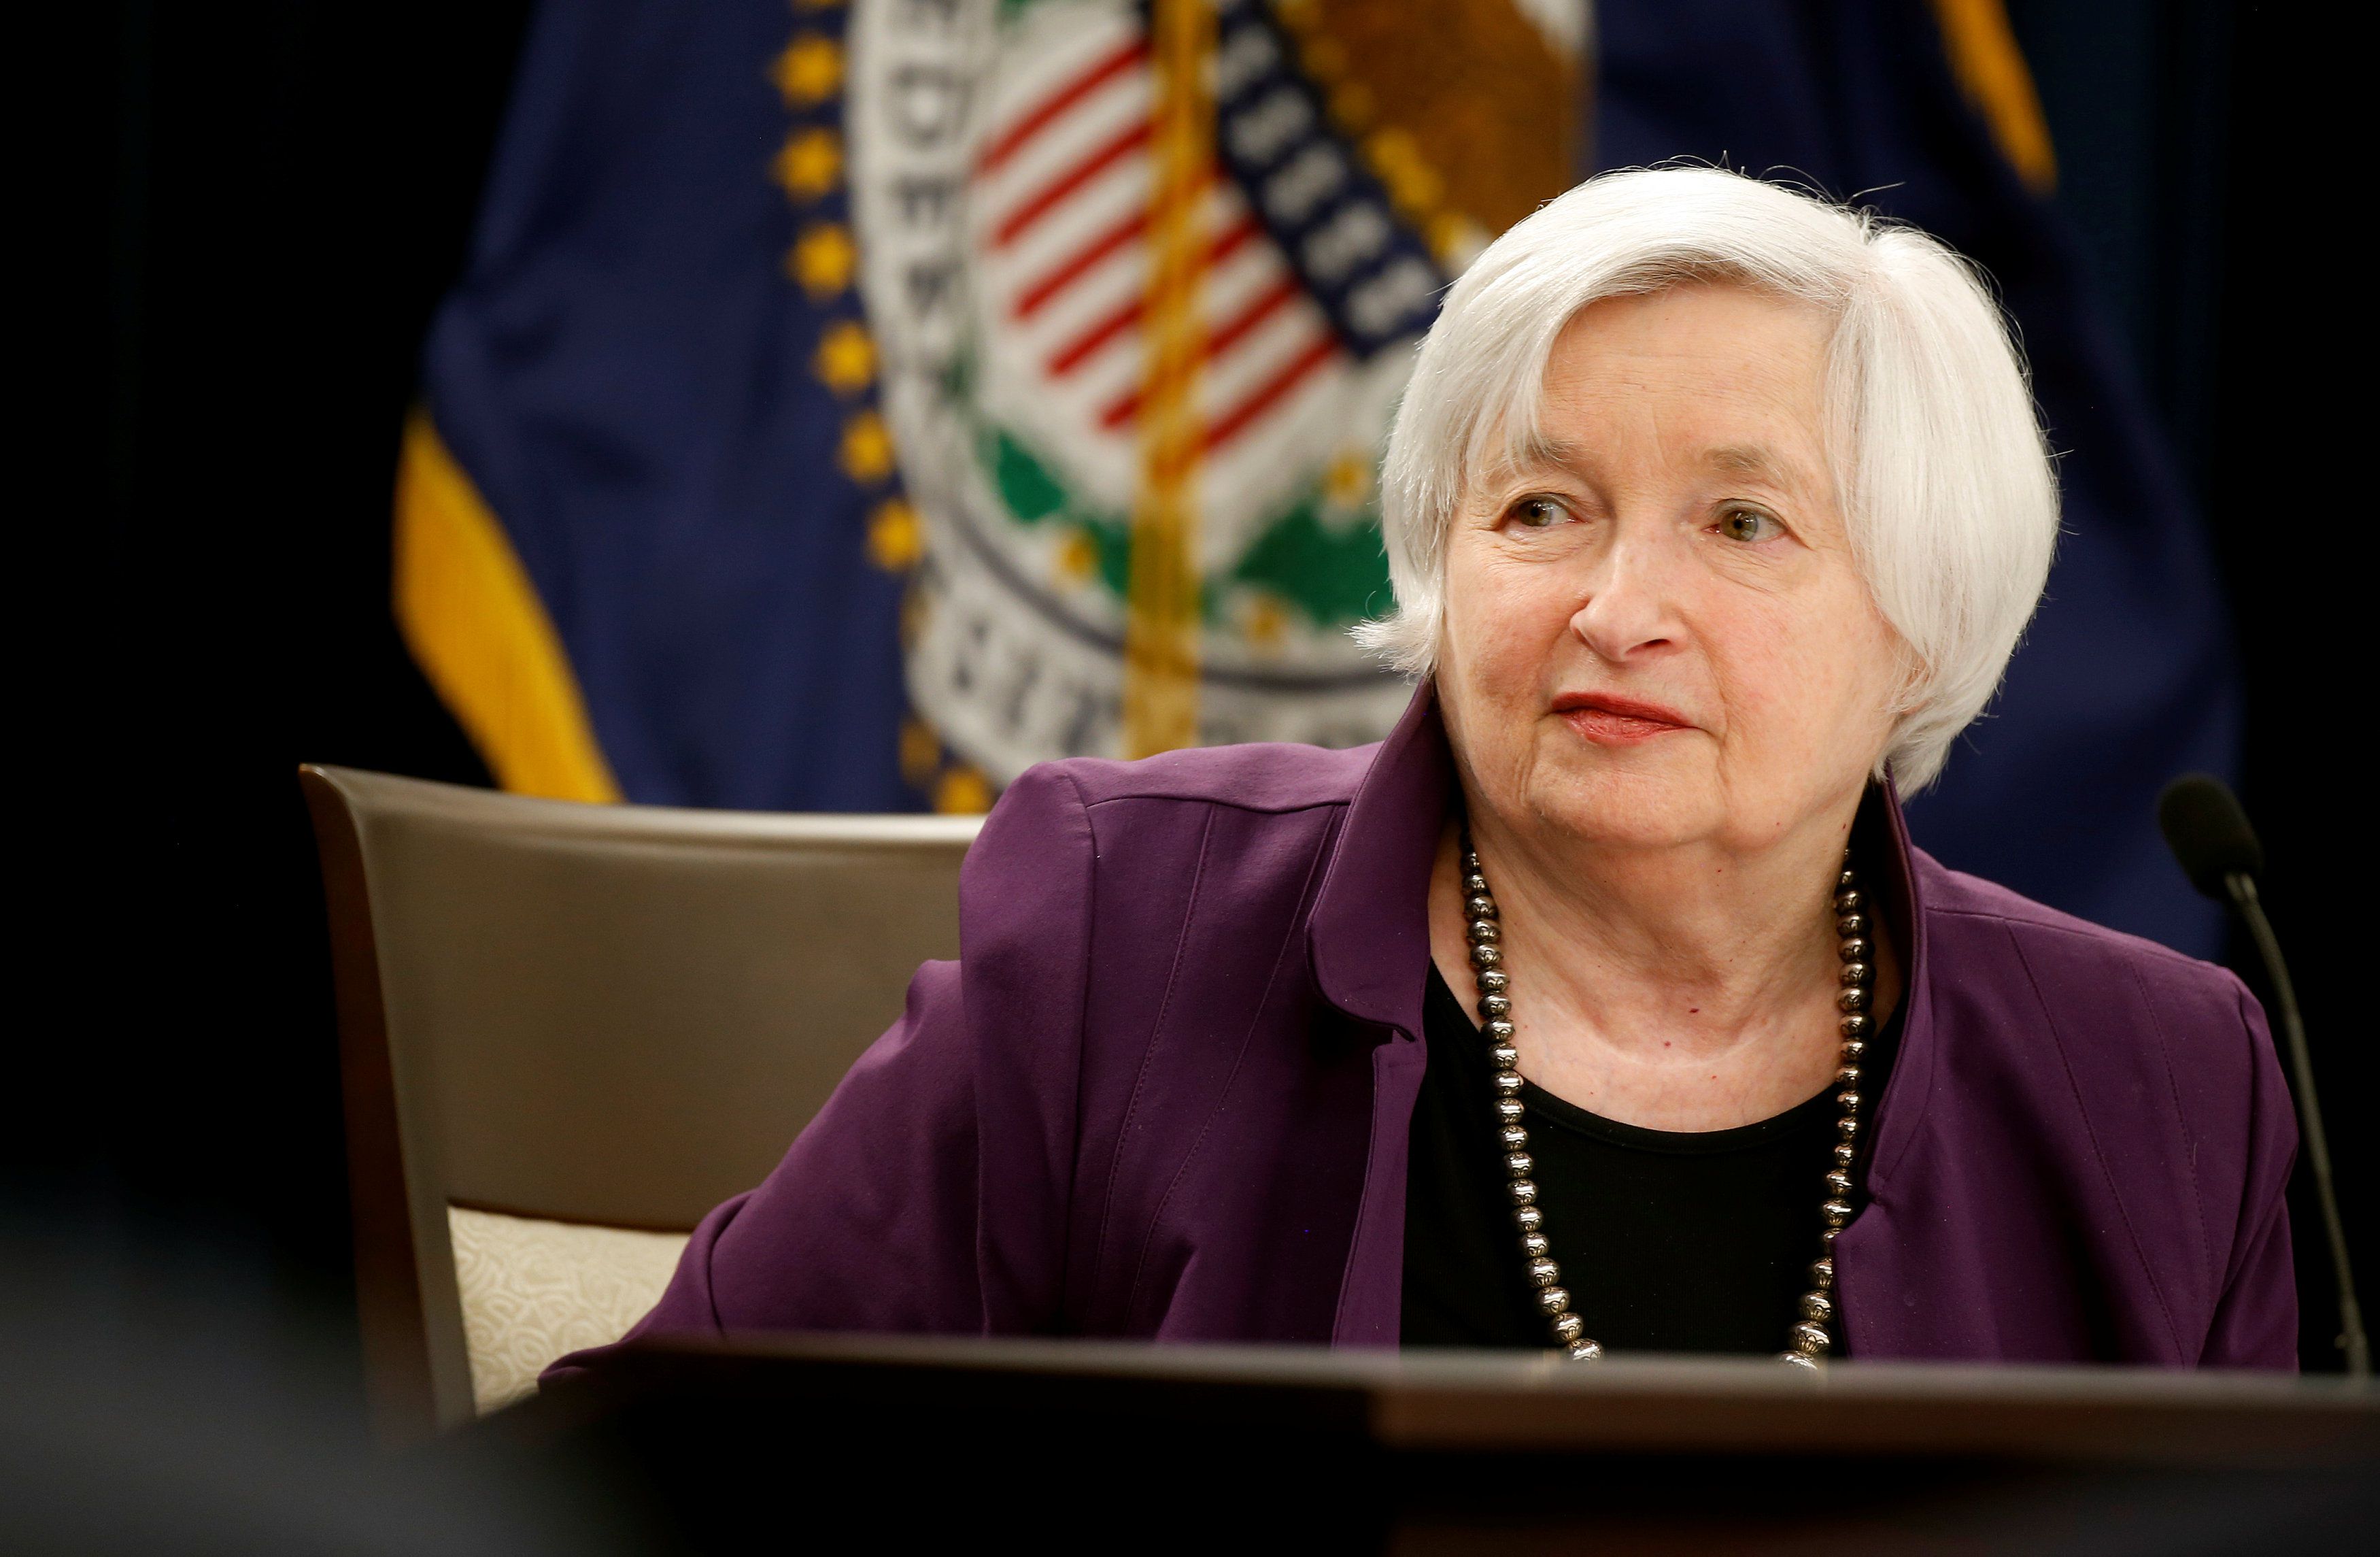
(1675, 989)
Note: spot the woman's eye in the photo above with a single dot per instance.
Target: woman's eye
(1749, 525)
(1538, 513)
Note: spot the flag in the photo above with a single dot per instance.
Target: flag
(845, 407)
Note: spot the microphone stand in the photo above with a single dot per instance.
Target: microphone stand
(2351, 1339)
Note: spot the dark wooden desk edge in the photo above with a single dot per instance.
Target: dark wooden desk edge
(1503, 1403)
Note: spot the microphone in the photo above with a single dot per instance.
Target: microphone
(2217, 849)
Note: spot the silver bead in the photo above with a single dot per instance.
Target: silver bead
(1817, 1307)
(1528, 1218)
(1808, 1338)
(1568, 1327)
(1854, 949)
(1495, 1007)
(1822, 1274)
(1553, 1300)
(1483, 929)
(1848, 878)
(1853, 973)
(1850, 1000)
(1485, 956)
(1839, 1183)
(1847, 1075)
(1852, 1048)
(1834, 1213)
(1584, 1350)
(1826, 1236)
(1533, 1244)
(1845, 1153)
(1492, 982)
(1474, 884)
(1851, 924)
(1504, 1056)
(1481, 906)
(1796, 1360)
(1849, 1102)
(1853, 1027)
(1518, 1165)
(1544, 1272)
(1849, 901)
(1500, 1032)
(1847, 1128)
(1514, 1136)
(1508, 1082)
(1509, 1110)
(1524, 1191)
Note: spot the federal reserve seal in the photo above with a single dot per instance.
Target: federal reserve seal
(1145, 277)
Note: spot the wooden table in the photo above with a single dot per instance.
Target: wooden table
(912, 1443)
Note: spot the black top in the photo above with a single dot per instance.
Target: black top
(1668, 1241)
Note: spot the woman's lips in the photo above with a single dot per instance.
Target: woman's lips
(1608, 721)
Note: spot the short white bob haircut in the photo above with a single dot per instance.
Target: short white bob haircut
(1940, 467)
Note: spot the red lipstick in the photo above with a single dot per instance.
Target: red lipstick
(1610, 721)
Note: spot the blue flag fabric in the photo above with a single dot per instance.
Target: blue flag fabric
(705, 448)
(2126, 677)
(631, 375)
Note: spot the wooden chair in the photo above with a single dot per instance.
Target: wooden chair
(568, 1031)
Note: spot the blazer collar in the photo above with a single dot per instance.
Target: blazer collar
(1368, 937)
(1911, 1080)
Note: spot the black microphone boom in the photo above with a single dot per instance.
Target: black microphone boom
(2210, 835)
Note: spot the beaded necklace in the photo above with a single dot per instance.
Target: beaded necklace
(1809, 1339)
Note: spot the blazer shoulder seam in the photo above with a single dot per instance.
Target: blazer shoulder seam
(1223, 802)
(2148, 950)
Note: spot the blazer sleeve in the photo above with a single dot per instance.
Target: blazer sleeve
(929, 1194)
(2256, 1320)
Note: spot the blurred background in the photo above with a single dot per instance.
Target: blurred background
(699, 404)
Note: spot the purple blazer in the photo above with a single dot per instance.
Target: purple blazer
(1165, 1093)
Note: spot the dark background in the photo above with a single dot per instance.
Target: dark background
(258, 206)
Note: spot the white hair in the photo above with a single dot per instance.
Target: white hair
(1939, 461)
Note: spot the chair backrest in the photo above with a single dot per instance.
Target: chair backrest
(614, 1016)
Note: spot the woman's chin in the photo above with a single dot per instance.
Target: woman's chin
(1631, 804)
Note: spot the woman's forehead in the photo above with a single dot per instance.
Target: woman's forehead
(1717, 342)
(1728, 382)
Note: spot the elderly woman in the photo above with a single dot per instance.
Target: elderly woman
(1605, 1005)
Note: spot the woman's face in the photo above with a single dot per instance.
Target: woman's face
(1656, 636)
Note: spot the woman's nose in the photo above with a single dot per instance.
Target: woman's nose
(1627, 611)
